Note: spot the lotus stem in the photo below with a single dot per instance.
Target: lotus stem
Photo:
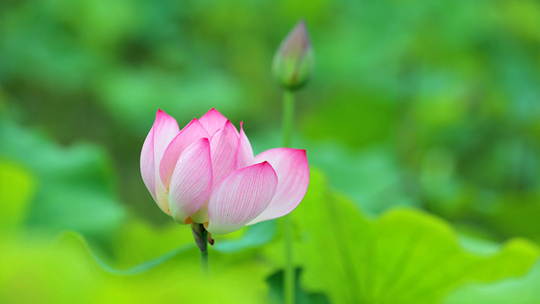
(201, 238)
(289, 280)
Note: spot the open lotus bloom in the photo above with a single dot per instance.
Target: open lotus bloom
(206, 173)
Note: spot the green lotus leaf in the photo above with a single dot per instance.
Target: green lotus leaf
(405, 256)
(74, 186)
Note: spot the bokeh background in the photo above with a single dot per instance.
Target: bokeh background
(421, 122)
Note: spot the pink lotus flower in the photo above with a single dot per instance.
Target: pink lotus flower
(206, 173)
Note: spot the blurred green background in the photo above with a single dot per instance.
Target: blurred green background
(422, 126)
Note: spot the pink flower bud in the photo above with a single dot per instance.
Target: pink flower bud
(294, 61)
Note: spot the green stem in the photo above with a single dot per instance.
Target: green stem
(288, 117)
(289, 287)
(289, 281)
(200, 234)
(205, 269)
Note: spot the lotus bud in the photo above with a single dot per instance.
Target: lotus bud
(206, 175)
(294, 61)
